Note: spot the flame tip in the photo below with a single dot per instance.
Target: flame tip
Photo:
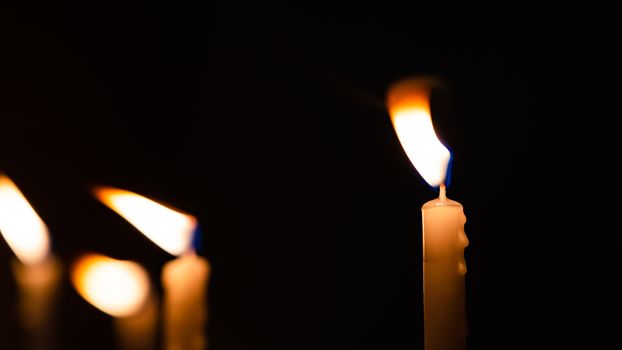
(170, 229)
(408, 102)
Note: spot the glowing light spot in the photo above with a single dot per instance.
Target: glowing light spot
(118, 288)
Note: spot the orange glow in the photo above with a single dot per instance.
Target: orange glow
(169, 229)
(21, 227)
(409, 108)
(116, 287)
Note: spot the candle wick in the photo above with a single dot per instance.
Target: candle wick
(191, 252)
(442, 194)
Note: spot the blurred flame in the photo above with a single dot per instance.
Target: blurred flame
(118, 288)
(21, 227)
(169, 229)
(409, 107)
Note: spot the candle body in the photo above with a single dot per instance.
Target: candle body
(138, 331)
(444, 269)
(38, 286)
(185, 302)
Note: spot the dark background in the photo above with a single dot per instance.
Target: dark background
(268, 124)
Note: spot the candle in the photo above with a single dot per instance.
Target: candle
(443, 220)
(121, 289)
(37, 271)
(184, 279)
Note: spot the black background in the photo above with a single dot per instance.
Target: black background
(268, 124)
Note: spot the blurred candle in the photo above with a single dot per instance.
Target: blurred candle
(121, 289)
(36, 270)
(184, 279)
(443, 220)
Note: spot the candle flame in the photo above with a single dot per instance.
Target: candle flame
(171, 230)
(409, 108)
(21, 227)
(117, 287)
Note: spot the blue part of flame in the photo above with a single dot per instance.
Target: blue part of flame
(197, 239)
(449, 167)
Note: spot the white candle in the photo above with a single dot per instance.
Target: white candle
(37, 272)
(185, 282)
(120, 289)
(444, 268)
(38, 289)
(443, 220)
(184, 279)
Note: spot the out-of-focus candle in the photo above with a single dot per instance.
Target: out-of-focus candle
(121, 289)
(36, 270)
(184, 279)
(443, 220)
(185, 282)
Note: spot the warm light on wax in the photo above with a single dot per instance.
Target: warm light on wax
(116, 287)
(443, 220)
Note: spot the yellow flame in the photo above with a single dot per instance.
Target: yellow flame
(117, 287)
(21, 227)
(409, 107)
(169, 229)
